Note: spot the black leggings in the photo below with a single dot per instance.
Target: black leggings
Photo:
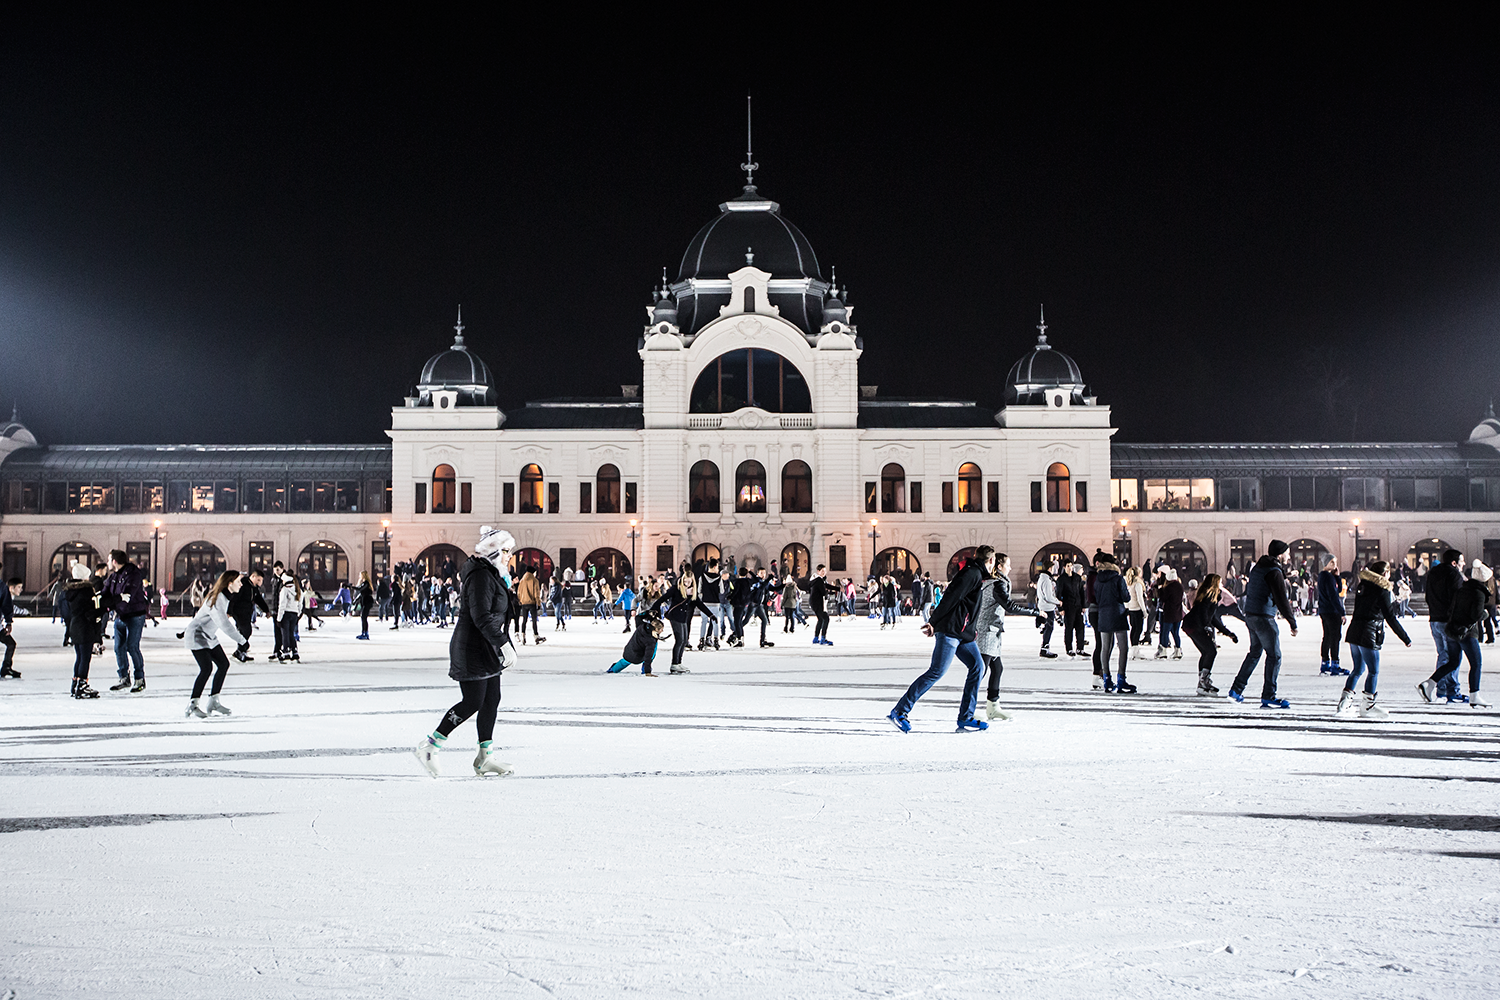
(1137, 622)
(482, 697)
(83, 653)
(996, 669)
(820, 631)
(208, 659)
(1332, 625)
(364, 621)
(529, 611)
(680, 632)
(289, 634)
(1206, 648)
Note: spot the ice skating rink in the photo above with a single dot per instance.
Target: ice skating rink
(753, 829)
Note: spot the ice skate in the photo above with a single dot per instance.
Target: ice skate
(899, 721)
(1476, 700)
(194, 709)
(485, 763)
(1275, 703)
(995, 713)
(1176, 652)
(1427, 689)
(8, 672)
(1161, 653)
(1346, 707)
(83, 691)
(764, 643)
(1373, 712)
(1098, 683)
(1205, 684)
(1135, 652)
(679, 669)
(1124, 687)
(1047, 654)
(217, 706)
(427, 755)
(121, 684)
(971, 725)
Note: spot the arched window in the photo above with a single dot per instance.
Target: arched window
(796, 487)
(197, 561)
(750, 488)
(959, 558)
(607, 564)
(69, 553)
(1061, 553)
(796, 560)
(970, 489)
(751, 376)
(1058, 492)
(749, 300)
(703, 488)
(531, 490)
(534, 559)
(705, 551)
(892, 489)
(1308, 555)
(442, 560)
(1423, 554)
(1187, 558)
(324, 566)
(607, 490)
(900, 563)
(444, 490)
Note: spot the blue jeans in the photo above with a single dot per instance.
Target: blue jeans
(1468, 646)
(1448, 658)
(1363, 657)
(944, 648)
(128, 643)
(1174, 630)
(887, 615)
(1265, 637)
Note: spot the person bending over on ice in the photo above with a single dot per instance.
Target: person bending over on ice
(1201, 623)
(952, 629)
(989, 629)
(1374, 607)
(641, 648)
(204, 639)
(478, 651)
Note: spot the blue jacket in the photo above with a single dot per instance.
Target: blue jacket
(1265, 591)
(1110, 597)
(1330, 602)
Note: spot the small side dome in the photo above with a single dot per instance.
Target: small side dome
(665, 311)
(459, 371)
(15, 434)
(834, 311)
(1488, 430)
(1042, 369)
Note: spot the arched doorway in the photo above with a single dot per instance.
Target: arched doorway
(958, 559)
(67, 554)
(200, 561)
(535, 558)
(796, 487)
(900, 563)
(1308, 556)
(442, 560)
(1424, 554)
(706, 551)
(1186, 557)
(324, 566)
(607, 564)
(1062, 552)
(796, 560)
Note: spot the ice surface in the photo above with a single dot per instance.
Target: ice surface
(753, 829)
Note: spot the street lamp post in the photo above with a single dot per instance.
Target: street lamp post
(875, 541)
(1354, 563)
(633, 536)
(385, 541)
(156, 553)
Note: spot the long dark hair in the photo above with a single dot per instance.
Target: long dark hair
(221, 585)
(1209, 591)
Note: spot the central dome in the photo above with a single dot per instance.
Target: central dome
(1041, 369)
(749, 230)
(459, 370)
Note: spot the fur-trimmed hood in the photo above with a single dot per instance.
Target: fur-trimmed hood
(1375, 578)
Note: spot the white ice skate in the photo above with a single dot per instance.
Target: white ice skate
(215, 705)
(427, 756)
(1347, 708)
(1176, 652)
(485, 763)
(1161, 653)
(996, 713)
(194, 709)
(1372, 711)
(1098, 683)
(1476, 700)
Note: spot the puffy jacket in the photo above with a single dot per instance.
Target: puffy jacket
(1137, 600)
(528, 591)
(1443, 584)
(959, 609)
(1046, 593)
(1110, 597)
(125, 591)
(483, 627)
(1265, 592)
(1467, 610)
(211, 624)
(1206, 615)
(817, 592)
(1374, 607)
(1169, 597)
(994, 602)
(85, 620)
(1070, 592)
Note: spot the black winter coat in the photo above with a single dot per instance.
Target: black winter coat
(1070, 592)
(818, 591)
(85, 619)
(1467, 610)
(1374, 608)
(960, 605)
(482, 627)
(1110, 597)
(1443, 583)
(1206, 615)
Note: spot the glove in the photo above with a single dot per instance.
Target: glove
(1234, 638)
(507, 655)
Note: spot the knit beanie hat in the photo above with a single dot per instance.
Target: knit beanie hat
(1276, 548)
(493, 541)
(1481, 572)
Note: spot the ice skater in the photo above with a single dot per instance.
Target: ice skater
(952, 630)
(817, 594)
(1374, 608)
(85, 627)
(1265, 595)
(7, 613)
(1202, 621)
(1463, 628)
(1111, 595)
(641, 647)
(478, 651)
(989, 630)
(204, 638)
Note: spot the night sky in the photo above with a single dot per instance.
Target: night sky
(258, 235)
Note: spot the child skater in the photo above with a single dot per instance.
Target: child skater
(641, 648)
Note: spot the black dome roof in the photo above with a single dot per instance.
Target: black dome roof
(749, 222)
(458, 369)
(1040, 369)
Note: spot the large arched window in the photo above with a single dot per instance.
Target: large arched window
(796, 487)
(750, 488)
(1186, 557)
(892, 489)
(324, 566)
(533, 559)
(703, 488)
(704, 552)
(67, 554)
(1308, 555)
(607, 564)
(201, 561)
(796, 560)
(1060, 553)
(444, 490)
(1424, 554)
(442, 560)
(970, 489)
(607, 490)
(751, 376)
(900, 563)
(1058, 491)
(959, 559)
(531, 490)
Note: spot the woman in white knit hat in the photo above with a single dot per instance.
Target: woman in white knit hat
(479, 650)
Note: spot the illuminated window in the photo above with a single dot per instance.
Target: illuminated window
(969, 489)
(1058, 488)
(531, 490)
(750, 488)
(444, 490)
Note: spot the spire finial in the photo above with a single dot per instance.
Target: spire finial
(749, 256)
(749, 166)
(1041, 328)
(458, 329)
(1489, 413)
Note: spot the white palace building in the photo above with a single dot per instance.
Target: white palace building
(748, 434)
